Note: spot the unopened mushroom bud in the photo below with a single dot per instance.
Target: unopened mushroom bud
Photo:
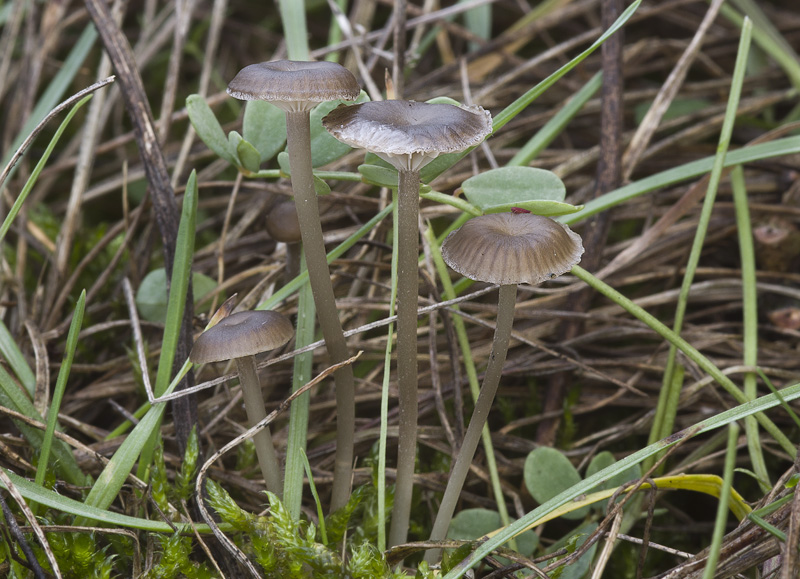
(283, 225)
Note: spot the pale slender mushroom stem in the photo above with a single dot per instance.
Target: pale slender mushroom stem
(256, 412)
(299, 141)
(407, 295)
(458, 474)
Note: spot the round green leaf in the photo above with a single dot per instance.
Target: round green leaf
(324, 146)
(506, 187)
(264, 125)
(208, 127)
(151, 297)
(320, 186)
(249, 156)
(603, 460)
(377, 175)
(547, 473)
(471, 524)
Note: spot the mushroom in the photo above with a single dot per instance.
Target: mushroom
(408, 135)
(283, 225)
(296, 87)
(240, 337)
(505, 249)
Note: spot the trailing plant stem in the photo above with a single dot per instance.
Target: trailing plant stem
(458, 474)
(256, 412)
(407, 294)
(299, 142)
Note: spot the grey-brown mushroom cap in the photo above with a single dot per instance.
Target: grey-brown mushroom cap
(409, 128)
(242, 334)
(286, 83)
(511, 248)
(282, 223)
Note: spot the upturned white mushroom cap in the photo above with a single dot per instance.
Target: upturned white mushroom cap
(242, 334)
(409, 134)
(511, 248)
(294, 85)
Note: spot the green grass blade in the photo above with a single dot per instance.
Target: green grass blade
(16, 360)
(116, 471)
(722, 508)
(522, 102)
(55, 90)
(293, 16)
(750, 317)
(554, 126)
(52, 499)
(690, 351)
(61, 384)
(766, 37)
(702, 229)
(298, 414)
(776, 148)
(12, 213)
(12, 397)
(181, 271)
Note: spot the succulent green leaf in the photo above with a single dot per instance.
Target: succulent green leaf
(536, 190)
(248, 155)
(472, 524)
(378, 175)
(573, 542)
(443, 100)
(325, 147)
(604, 460)
(234, 138)
(208, 127)
(320, 186)
(151, 297)
(264, 126)
(547, 473)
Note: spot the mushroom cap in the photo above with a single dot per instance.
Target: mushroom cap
(511, 248)
(409, 134)
(283, 224)
(242, 334)
(294, 85)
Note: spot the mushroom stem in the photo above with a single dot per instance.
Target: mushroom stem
(299, 141)
(458, 474)
(407, 295)
(256, 412)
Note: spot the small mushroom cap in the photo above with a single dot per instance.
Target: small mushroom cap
(294, 85)
(509, 248)
(409, 134)
(283, 224)
(242, 334)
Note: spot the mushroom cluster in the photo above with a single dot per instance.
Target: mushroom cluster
(408, 135)
(297, 87)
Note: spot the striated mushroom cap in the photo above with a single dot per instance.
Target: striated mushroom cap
(409, 134)
(294, 85)
(512, 248)
(242, 334)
